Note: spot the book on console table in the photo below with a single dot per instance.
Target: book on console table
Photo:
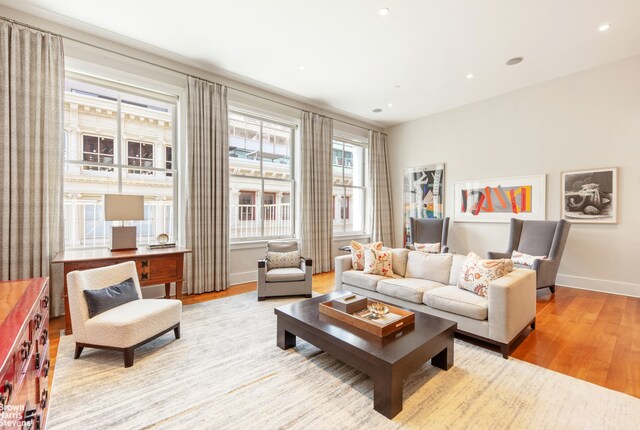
(161, 245)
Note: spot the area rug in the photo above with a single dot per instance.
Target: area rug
(227, 373)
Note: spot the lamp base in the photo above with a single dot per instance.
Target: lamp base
(123, 238)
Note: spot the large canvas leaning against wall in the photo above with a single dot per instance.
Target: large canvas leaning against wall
(499, 200)
(590, 196)
(423, 193)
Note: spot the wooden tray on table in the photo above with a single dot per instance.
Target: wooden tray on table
(395, 320)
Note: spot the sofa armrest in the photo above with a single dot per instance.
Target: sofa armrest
(343, 263)
(497, 255)
(512, 304)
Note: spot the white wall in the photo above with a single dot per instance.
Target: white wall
(587, 120)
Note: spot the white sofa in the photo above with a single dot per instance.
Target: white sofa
(428, 283)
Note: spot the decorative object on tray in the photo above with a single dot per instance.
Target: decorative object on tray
(423, 194)
(590, 196)
(350, 303)
(377, 309)
(499, 200)
(386, 323)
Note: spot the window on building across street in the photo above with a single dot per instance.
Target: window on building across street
(348, 186)
(260, 177)
(107, 132)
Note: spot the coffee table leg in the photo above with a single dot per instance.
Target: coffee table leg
(444, 359)
(286, 340)
(387, 394)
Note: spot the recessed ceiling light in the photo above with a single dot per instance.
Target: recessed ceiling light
(515, 60)
(384, 11)
(390, 105)
(377, 110)
(301, 68)
(604, 27)
(469, 75)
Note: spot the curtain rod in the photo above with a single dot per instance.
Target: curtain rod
(131, 57)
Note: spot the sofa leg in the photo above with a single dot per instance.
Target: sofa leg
(78, 351)
(261, 299)
(504, 348)
(176, 331)
(128, 356)
(553, 289)
(533, 325)
(308, 296)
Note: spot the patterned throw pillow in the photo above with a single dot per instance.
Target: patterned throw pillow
(431, 248)
(378, 262)
(478, 273)
(280, 260)
(357, 253)
(526, 259)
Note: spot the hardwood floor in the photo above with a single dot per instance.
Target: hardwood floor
(588, 335)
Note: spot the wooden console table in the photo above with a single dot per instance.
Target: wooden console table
(155, 266)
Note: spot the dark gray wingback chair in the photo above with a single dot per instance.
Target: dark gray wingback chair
(539, 238)
(290, 281)
(429, 230)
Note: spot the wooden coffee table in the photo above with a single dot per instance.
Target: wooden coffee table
(386, 360)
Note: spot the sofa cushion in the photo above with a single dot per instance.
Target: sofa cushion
(282, 246)
(285, 274)
(478, 273)
(434, 267)
(357, 253)
(378, 262)
(410, 289)
(456, 268)
(400, 261)
(455, 300)
(359, 279)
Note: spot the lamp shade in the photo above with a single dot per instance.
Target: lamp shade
(122, 207)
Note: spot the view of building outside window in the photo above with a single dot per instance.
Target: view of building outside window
(261, 177)
(106, 133)
(348, 187)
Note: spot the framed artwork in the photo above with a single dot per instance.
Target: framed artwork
(423, 194)
(499, 200)
(590, 196)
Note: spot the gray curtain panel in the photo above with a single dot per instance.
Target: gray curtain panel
(208, 199)
(31, 143)
(316, 191)
(379, 190)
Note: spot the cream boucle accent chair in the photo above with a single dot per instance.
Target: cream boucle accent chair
(124, 327)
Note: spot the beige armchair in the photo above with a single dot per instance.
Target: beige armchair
(122, 328)
(290, 281)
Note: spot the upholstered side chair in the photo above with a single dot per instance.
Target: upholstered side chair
(539, 238)
(429, 230)
(285, 281)
(124, 327)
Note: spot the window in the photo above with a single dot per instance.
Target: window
(107, 132)
(348, 186)
(260, 177)
(140, 154)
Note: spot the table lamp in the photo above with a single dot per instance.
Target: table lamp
(121, 207)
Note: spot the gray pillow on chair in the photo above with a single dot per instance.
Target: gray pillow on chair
(102, 300)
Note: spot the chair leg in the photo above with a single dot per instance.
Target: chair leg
(308, 296)
(553, 289)
(176, 331)
(128, 356)
(78, 351)
(261, 299)
(504, 348)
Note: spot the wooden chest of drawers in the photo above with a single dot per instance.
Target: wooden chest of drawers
(24, 353)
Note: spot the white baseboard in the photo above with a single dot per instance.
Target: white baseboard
(243, 277)
(602, 285)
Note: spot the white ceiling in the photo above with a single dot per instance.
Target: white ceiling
(417, 57)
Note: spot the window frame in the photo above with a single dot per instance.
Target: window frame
(365, 147)
(262, 178)
(120, 144)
